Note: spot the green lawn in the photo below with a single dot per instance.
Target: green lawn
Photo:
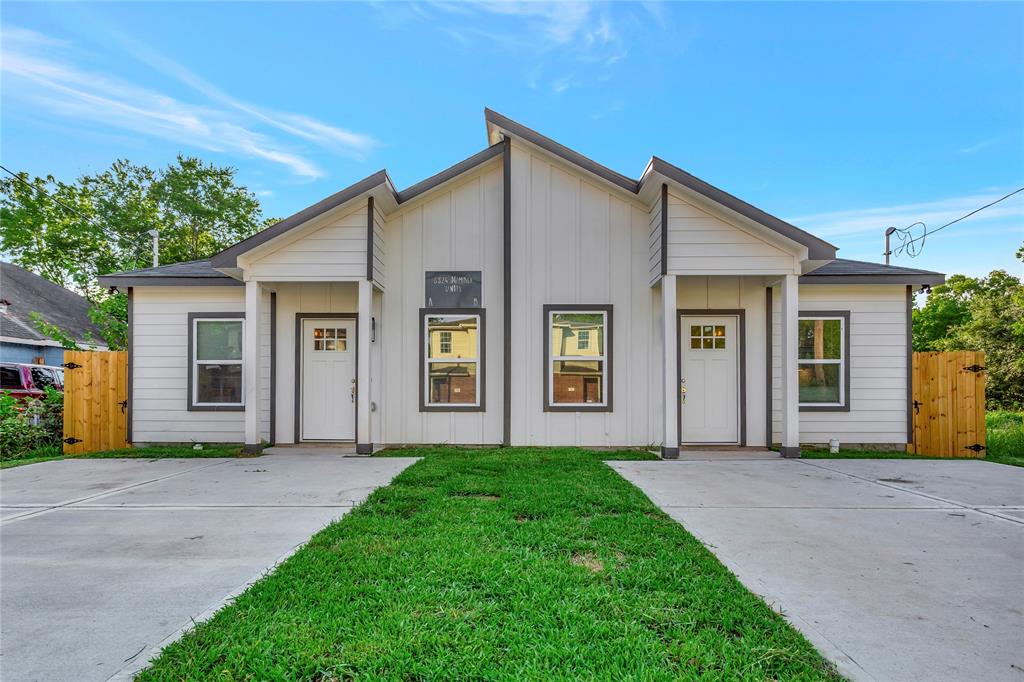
(153, 452)
(1004, 433)
(512, 564)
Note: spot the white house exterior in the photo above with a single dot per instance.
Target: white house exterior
(525, 296)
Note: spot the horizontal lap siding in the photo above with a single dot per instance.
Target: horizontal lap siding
(335, 250)
(457, 228)
(574, 241)
(700, 243)
(160, 366)
(878, 365)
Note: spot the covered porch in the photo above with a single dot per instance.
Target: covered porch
(312, 363)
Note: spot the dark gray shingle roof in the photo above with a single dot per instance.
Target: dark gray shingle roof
(27, 292)
(189, 273)
(843, 270)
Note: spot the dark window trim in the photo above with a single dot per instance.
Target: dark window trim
(609, 393)
(481, 366)
(845, 314)
(910, 364)
(664, 229)
(741, 315)
(190, 360)
(297, 415)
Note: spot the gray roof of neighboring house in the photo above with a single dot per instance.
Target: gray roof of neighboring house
(189, 273)
(27, 292)
(845, 271)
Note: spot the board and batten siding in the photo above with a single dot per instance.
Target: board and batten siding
(700, 243)
(161, 366)
(735, 293)
(878, 365)
(332, 248)
(457, 227)
(577, 241)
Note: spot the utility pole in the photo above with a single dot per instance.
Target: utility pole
(155, 234)
(888, 251)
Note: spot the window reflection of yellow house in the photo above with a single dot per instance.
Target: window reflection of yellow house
(452, 339)
(577, 381)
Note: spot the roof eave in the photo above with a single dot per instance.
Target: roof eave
(136, 281)
(924, 279)
(817, 248)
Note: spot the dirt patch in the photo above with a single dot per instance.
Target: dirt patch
(587, 560)
(478, 496)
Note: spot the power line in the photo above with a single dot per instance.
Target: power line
(907, 241)
(52, 198)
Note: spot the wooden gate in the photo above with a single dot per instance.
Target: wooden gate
(95, 401)
(949, 404)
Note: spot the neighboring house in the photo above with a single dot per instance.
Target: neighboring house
(526, 296)
(23, 293)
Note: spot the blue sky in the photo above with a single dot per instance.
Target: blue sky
(842, 118)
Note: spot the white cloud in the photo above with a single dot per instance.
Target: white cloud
(585, 37)
(221, 123)
(931, 213)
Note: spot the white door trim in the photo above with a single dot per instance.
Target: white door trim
(741, 369)
(299, 366)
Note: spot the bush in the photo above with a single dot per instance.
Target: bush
(1005, 437)
(31, 427)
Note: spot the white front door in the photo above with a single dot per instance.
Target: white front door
(709, 379)
(328, 409)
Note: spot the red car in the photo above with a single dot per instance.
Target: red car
(28, 381)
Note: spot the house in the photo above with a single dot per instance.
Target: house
(23, 293)
(524, 296)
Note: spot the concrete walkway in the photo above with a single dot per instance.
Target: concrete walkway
(894, 569)
(104, 561)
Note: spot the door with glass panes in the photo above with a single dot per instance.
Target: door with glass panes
(709, 379)
(328, 410)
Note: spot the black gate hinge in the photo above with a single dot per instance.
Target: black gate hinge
(975, 368)
(71, 365)
(977, 447)
(71, 440)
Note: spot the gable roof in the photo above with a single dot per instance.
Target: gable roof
(228, 257)
(818, 249)
(27, 292)
(845, 271)
(189, 273)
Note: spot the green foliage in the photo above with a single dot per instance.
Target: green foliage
(1005, 437)
(983, 314)
(71, 233)
(31, 427)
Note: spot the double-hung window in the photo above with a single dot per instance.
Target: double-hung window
(215, 358)
(452, 343)
(577, 358)
(823, 354)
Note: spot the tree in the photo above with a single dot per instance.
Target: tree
(984, 314)
(203, 211)
(71, 233)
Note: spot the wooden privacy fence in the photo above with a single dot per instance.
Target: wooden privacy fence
(95, 401)
(949, 404)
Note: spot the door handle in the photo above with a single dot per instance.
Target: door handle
(353, 392)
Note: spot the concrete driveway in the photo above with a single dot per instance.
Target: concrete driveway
(102, 561)
(894, 569)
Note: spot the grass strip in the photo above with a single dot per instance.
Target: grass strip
(514, 564)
